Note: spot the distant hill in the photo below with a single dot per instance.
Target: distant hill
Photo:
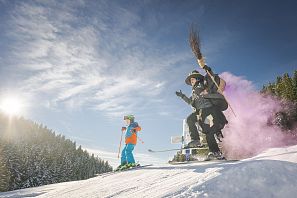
(33, 155)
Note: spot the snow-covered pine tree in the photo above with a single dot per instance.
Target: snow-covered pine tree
(4, 172)
(295, 85)
(33, 155)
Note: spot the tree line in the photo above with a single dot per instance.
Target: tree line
(284, 89)
(33, 155)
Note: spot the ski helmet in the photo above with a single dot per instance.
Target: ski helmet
(194, 74)
(129, 117)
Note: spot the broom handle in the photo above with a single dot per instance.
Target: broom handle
(212, 78)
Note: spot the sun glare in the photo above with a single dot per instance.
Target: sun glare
(11, 106)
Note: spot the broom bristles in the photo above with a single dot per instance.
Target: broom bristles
(195, 43)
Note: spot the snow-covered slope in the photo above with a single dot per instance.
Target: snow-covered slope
(271, 174)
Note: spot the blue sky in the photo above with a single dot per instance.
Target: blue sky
(79, 66)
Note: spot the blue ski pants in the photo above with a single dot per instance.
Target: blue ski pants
(127, 155)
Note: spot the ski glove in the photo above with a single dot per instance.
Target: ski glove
(179, 93)
(207, 68)
(136, 129)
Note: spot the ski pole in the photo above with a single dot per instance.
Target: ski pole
(200, 62)
(120, 143)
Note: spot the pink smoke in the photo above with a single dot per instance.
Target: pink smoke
(248, 133)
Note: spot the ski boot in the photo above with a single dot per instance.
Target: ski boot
(120, 167)
(128, 166)
(194, 144)
(215, 156)
(131, 165)
(123, 167)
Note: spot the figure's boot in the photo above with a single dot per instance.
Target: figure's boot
(215, 156)
(194, 144)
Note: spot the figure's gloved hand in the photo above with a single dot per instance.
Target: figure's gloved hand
(206, 68)
(201, 63)
(179, 93)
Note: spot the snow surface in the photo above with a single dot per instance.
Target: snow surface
(273, 173)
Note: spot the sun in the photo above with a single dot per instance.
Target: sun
(11, 106)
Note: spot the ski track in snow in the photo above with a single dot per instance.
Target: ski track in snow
(269, 174)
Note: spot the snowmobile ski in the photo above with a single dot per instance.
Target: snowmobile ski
(203, 161)
(177, 149)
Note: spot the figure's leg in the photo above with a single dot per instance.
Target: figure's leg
(214, 150)
(220, 119)
(191, 121)
(219, 135)
(212, 143)
(129, 154)
(195, 139)
(124, 156)
(212, 125)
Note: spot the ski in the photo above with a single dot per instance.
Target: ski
(124, 170)
(202, 161)
(158, 151)
(177, 149)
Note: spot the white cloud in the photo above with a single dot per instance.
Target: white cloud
(100, 60)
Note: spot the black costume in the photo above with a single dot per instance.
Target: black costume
(208, 105)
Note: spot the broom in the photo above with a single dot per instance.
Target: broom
(195, 44)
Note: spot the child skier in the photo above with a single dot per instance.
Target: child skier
(127, 158)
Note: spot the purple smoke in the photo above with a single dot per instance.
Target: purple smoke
(249, 132)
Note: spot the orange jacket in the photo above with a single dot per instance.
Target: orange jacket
(132, 139)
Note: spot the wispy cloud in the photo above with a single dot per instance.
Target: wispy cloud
(100, 60)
